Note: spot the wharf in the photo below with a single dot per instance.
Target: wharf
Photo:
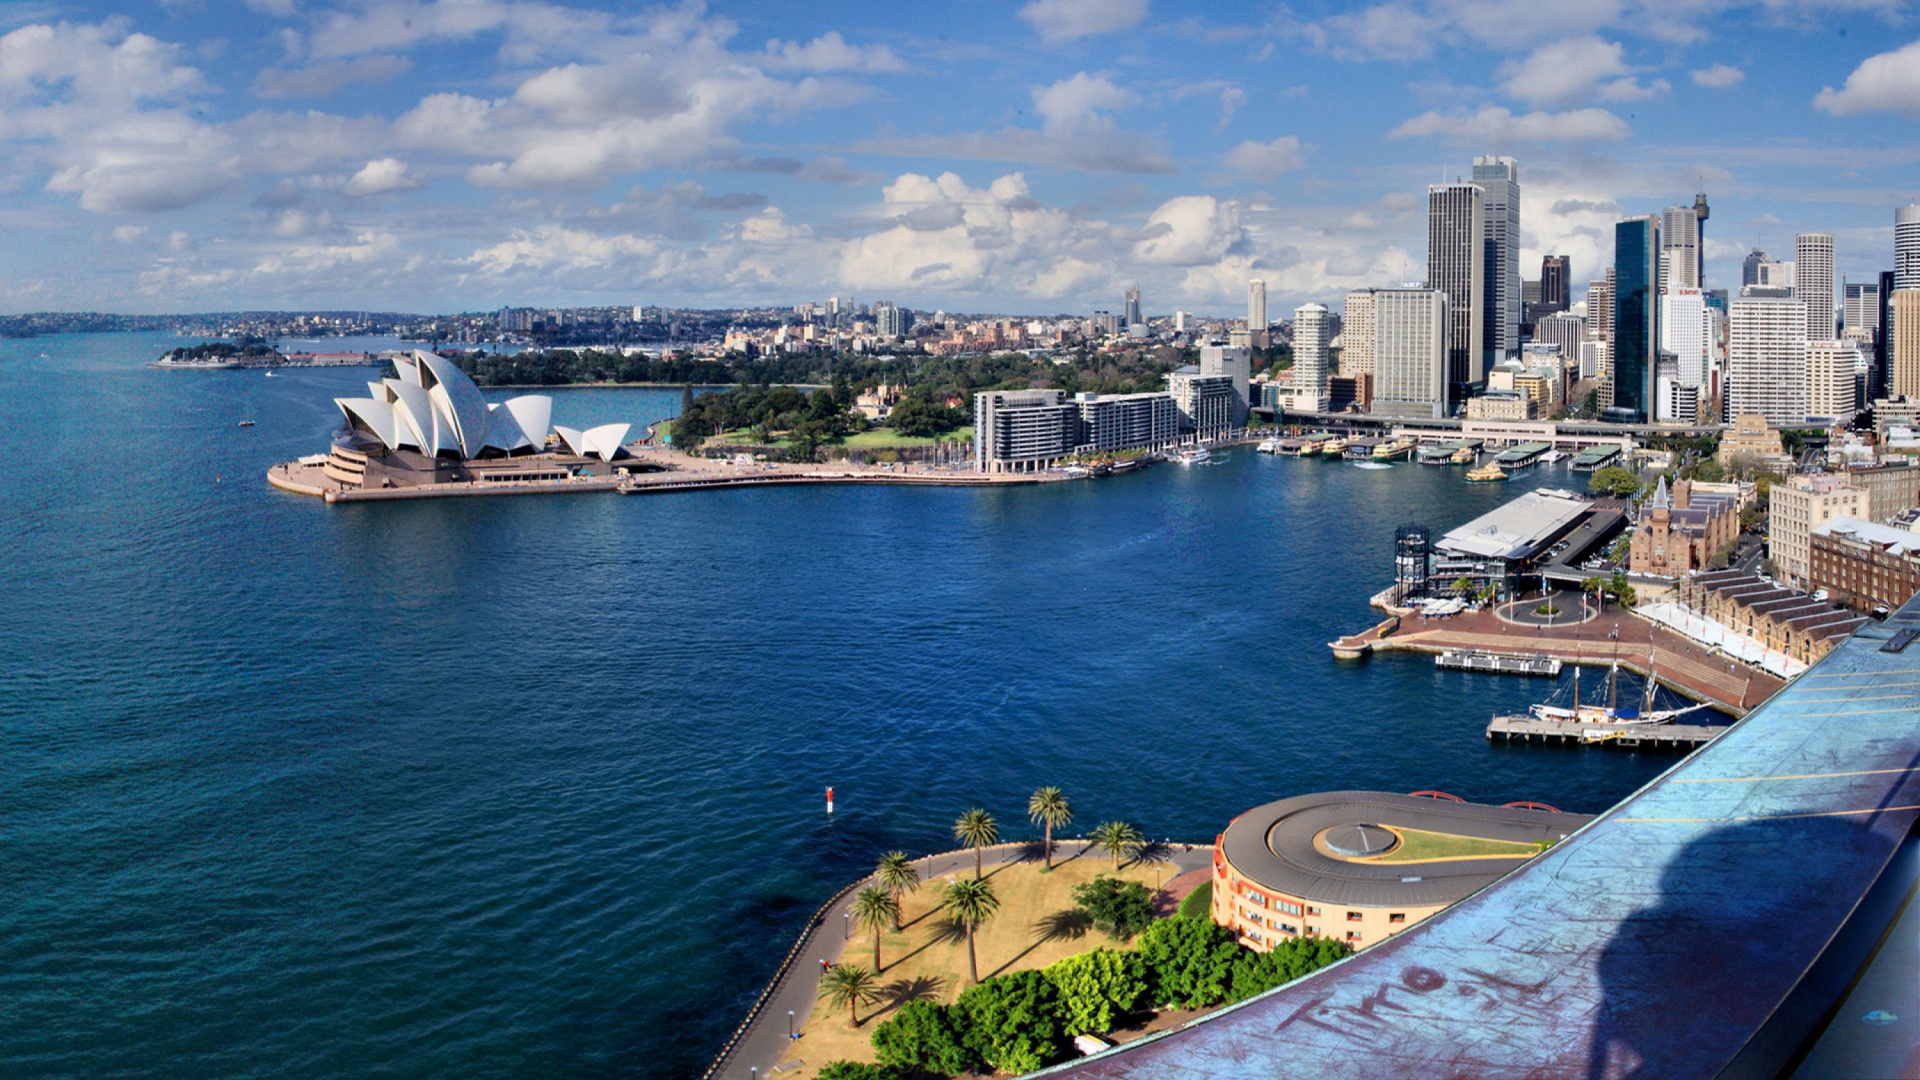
(1523, 455)
(1595, 458)
(1499, 663)
(1626, 736)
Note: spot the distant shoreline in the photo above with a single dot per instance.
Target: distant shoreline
(634, 386)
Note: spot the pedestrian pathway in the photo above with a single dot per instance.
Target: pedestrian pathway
(760, 1047)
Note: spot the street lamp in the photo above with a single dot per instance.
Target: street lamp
(790, 1032)
(846, 925)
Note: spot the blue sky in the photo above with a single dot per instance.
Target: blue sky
(978, 156)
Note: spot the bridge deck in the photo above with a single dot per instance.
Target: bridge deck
(1699, 928)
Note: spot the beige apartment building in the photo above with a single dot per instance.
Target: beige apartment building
(1800, 505)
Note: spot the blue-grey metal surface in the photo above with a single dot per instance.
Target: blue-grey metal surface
(1664, 940)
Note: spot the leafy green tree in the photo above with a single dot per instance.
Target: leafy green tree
(1049, 809)
(897, 874)
(873, 908)
(686, 399)
(976, 829)
(1189, 961)
(924, 1037)
(1287, 960)
(970, 903)
(1614, 480)
(852, 986)
(1121, 908)
(856, 1070)
(1118, 839)
(1013, 1022)
(1097, 988)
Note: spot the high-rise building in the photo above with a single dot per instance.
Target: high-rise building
(1257, 305)
(1767, 359)
(1813, 282)
(1412, 351)
(1832, 372)
(1307, 383)
(1499, 181)
(1636, 315)
(1750, 267)
(1356, 334)
(1556, 283)
(1600, 308)
(1906, 246)
(1132, 309)
(1023, 430)
(1234, 362)
(1905, 350)
(1680, 248)
(1456, 268)
(1686, 334)
(1881, 377)
(1859, 309)
(1564, 329)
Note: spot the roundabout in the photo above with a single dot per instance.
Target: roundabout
(1554, 609)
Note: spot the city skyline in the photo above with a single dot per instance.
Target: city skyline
(1039, 157)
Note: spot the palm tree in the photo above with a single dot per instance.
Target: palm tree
(1049, 808)
(970, 903)
(897, 874)
(976, 829)
(852, 986)
(1118, 838)
(873, 908)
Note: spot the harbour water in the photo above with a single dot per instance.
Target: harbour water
(532, 786)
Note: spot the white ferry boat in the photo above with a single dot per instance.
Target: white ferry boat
(1199, 455)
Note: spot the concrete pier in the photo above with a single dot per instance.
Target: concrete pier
(1663, 736)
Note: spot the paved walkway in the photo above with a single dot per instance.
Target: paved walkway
(765, 1042)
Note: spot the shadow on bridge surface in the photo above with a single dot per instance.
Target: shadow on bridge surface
(1710, 925)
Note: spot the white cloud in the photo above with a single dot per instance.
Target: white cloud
(942, 235)
(319, 80)
(1189, 229)
(1074, 104)
(830, 52)
(1494, 124)
(1889, 82)
(381, 176)
(129, 234)
(1067, 20)
(1719, 76)
(1577, 69)
(1263, 161)
(1392, 31)
(1077, 133)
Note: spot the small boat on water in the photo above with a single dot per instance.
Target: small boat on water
(1268, 446)
(1333, 447)
(246, 423)
(1393, 450)
(1199, 455)
(1466, 455)
(1371, 465)
(1486, 474)
(1551, 456)
(1612, 712)
(1124, 466)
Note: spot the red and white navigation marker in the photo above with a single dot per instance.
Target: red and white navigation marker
(829, 800)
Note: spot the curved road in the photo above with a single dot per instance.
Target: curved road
(766, 1040)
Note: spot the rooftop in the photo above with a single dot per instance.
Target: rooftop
(1512, 531)
(1895, 541)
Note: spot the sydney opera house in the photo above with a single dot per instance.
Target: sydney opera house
(430, 425)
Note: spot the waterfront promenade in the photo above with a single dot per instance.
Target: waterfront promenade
(1639, 645)
(762, 1042)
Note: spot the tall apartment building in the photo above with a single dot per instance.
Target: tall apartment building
(1860, 309)
(1207, 403)
(1563, 329)
(1813, 282)
(1023, 430)
(1110, 422)
(1600, 308)
(1499, 181)
(1679, 248)
(1767, 359)
(1906, 246)
(1796, 508)
(1235, 363)
(1257, 305)
(1456, 268)
(1307, 383)
(1832, 372)
(1904, 353)
(1356, 333)
(1556, 283)
(1131, 311)
(1412, 351)
(1636, 315)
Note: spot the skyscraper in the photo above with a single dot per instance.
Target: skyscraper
(1308, 383)
(1680, 248)
(1556, 283)
(1636, 314)
(1257, 310)
(1906, 246)
(1905, 350)
(1880, 377)
(1456, 268)
(1701, 212)
(1600, 308)
(1767, 359)
(1356, 333)
(1750, 267)
(1499, 181)
(1131, 311)
(1813, 282)
(1412, 351)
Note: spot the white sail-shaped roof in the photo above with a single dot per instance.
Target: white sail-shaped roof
(534, 415)
(432, 406)
(604, 441)
(371, 416)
